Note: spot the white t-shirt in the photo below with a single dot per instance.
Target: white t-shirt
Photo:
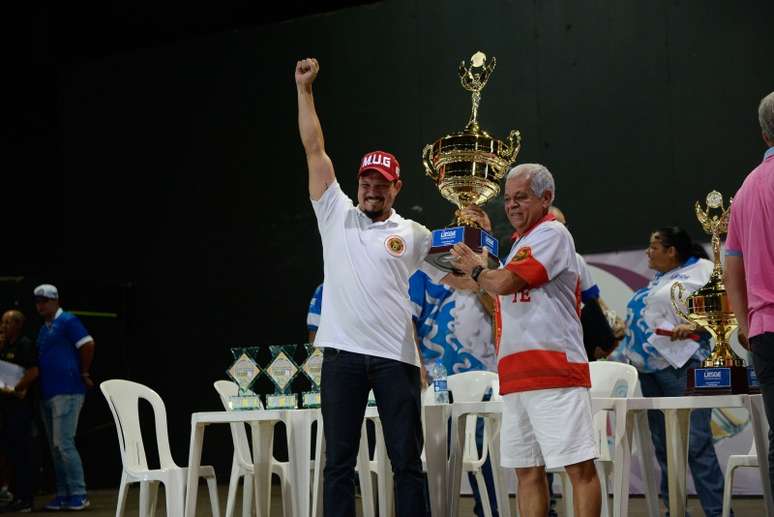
(540, 342)
(367, 266)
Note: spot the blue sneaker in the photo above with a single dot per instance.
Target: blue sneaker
(77, 502)
(57, 503)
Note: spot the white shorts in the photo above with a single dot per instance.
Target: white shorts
(550, 427)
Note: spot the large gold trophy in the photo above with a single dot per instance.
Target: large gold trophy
(467, 167)
(723, 371)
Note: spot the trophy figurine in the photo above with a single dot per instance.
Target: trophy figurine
(312, 368)
(282, 370)
(467, 167)
(244, 371)
(723, 372)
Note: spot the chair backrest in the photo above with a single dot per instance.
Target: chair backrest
(470, 386)
(612, 379)
(123, 398)
(225, 390)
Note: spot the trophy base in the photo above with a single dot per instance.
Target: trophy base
(371, 398)
(311, 399)
(244, 403)
(729, 380)
(282, 401)
(475, 238)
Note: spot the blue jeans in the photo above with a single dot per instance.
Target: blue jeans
(346, 379)
(60, 418)
(763, 360)
(705, 470)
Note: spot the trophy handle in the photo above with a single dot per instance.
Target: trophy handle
(514, 145)
(427, 161)
(677, 294)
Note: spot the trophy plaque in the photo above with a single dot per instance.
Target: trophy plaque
(723, 372)
(312, 368)
(282, 370)
(467, 167)
(243, 372)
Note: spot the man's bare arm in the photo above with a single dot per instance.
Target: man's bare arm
(494, 281)
(736, 287)
(321, 174)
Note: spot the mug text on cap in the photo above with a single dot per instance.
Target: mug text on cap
(376, 159)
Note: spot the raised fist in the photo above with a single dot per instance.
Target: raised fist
(306, 71)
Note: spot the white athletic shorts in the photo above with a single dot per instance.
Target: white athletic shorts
(550, 427)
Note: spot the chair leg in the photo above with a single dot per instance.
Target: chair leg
(728, 485)
(145, 498)
(122, 493)
(247, 495)
(566, 493)
(483, 493)
(154, 497)
(174, 491)
(287, 500)
(602, 473)
(233, 485)
(212, 485)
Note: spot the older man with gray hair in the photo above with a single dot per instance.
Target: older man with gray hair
(543, 367)
(750, 263)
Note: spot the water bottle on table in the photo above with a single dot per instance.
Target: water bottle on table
(441, 389)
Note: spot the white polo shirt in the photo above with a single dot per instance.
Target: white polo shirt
(366, 308)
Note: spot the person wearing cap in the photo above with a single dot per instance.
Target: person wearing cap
(16, 409)
(369, 252)
(542, 364)
(65, 351)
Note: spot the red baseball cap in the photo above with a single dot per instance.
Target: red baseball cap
(383, 162)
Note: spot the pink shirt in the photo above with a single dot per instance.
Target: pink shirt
(751, 235)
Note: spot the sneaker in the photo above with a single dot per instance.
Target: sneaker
(57, 503)
(77, 502)
(17, 506)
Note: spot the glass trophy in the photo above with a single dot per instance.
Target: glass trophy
(282, 370)
(244, 371)
(312, 368)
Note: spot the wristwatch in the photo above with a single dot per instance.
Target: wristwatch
(476, 273)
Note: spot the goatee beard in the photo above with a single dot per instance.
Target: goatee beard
(373, 214)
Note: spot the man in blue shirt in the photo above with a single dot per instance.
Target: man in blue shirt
(65, 351)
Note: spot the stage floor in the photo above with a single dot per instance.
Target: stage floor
(103, 504)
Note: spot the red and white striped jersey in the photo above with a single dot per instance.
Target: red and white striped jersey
(539, 337)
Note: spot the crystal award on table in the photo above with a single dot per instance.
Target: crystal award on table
(282, 370)
(244, 371)
(312, 368)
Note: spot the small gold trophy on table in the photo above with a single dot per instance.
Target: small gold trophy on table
(723, 372)
(467, 167)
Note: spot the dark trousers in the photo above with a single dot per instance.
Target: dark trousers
(16, 442)
(762, 347)
(346, 380)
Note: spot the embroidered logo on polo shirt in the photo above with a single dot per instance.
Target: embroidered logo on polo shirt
(522, 254)
(395, 245)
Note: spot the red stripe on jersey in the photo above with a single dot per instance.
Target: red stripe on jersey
(529, 269)
(541, 369)
(498, 316)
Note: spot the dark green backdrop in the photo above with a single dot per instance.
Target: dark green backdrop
(176, 192)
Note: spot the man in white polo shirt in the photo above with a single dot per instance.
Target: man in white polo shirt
(369, 252)
(543, 368)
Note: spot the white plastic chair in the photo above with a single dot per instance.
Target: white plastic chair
(735, 461)
(242, 463)
(608, 379)
(123, 398)
(471, 387)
